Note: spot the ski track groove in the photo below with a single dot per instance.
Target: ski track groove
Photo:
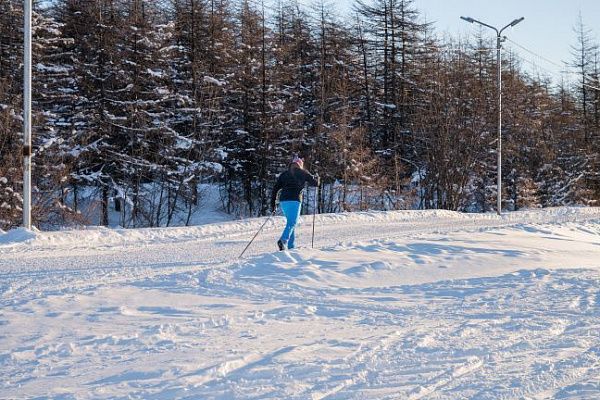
(445, 378)
(359, 361)
(226, 369)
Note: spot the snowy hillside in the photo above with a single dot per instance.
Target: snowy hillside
(396, 305)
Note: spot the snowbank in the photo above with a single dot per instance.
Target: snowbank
(18, 235)
(101, 236)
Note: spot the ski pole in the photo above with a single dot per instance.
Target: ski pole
(256, 234)
(314, 214)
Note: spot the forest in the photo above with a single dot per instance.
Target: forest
(137, 104)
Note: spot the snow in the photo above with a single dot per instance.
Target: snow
(156, 74)
(16, 236)
(214, 81)
(388, 305)
(52, 69)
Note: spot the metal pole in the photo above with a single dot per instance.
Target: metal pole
(27, 116)
(498, 47)
(312, 245)
(498, 57)
(499, 197)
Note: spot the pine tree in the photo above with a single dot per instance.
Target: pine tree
(584, 53)
(11, 173)
(201, 65)
(95, 27)
(394, 35)
(244, 105)
(52, 97)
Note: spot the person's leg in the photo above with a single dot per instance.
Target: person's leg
(292, 239)
(291, 210)
(296, 211)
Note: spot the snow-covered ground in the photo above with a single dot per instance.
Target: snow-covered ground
(396, 305)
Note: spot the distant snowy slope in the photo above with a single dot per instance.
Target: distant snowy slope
(397, 305)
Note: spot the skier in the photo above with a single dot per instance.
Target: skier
(291, 184)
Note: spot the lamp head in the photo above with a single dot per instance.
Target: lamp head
(516, 21)
(468, 19)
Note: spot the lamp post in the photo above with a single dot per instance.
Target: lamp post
(27, 115)
(499, 40)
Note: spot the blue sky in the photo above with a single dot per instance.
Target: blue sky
(547, 29)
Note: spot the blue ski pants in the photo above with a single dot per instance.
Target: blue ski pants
(291, 210)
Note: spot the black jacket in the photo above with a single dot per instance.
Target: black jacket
(291, 183)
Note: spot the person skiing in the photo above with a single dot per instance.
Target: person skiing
(291, 184)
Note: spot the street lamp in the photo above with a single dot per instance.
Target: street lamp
(499, 40)
(27, 114)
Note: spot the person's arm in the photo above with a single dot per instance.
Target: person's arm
(312, 180)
